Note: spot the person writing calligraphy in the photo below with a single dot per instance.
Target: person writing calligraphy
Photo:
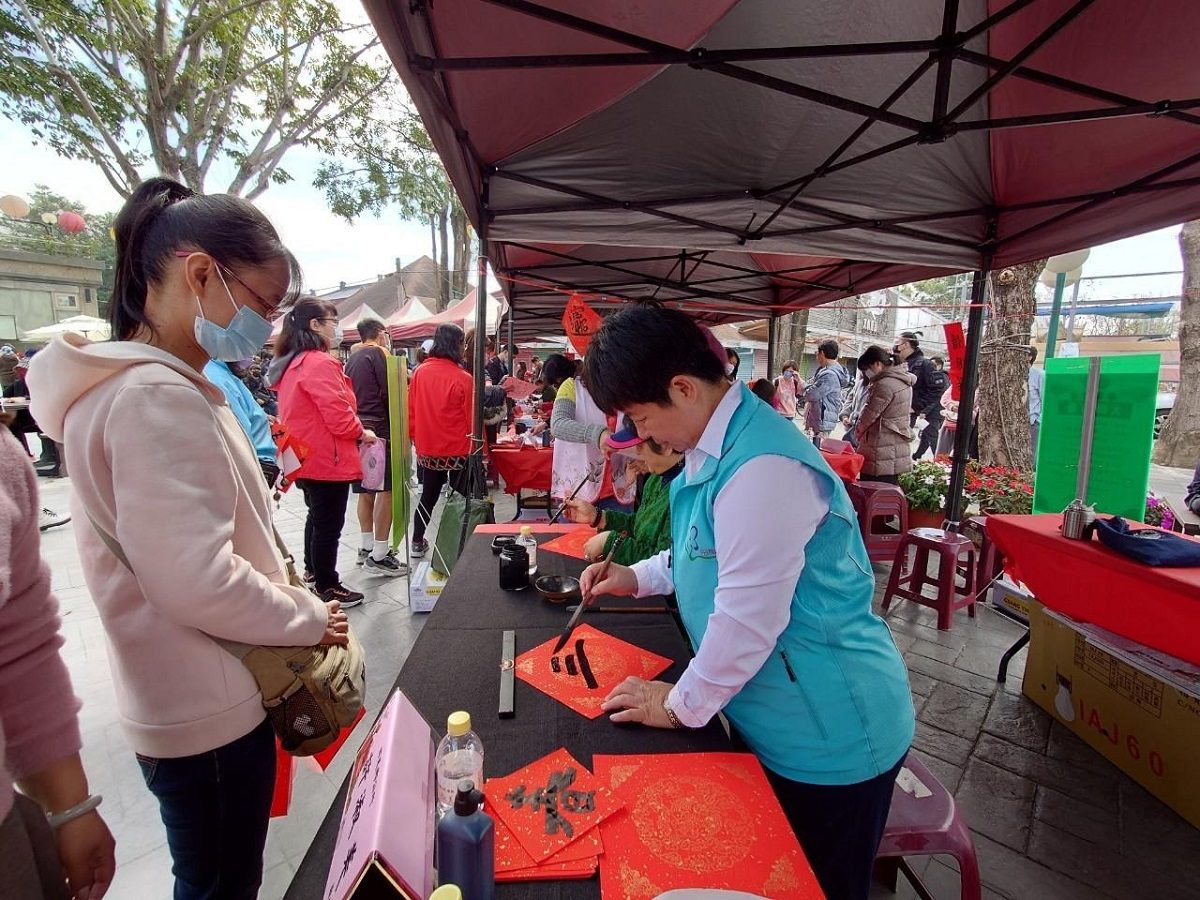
(787, 646)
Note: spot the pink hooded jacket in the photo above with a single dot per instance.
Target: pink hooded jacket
(158, 460)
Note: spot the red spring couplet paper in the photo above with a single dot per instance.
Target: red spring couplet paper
(569, 544)
(577, 860)
(550, 804)
(591, 664)
(580, 322)
(696, 820)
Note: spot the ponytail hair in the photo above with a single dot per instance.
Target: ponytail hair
(163, 216)
(296, 335)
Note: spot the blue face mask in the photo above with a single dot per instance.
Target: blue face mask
(244, 336)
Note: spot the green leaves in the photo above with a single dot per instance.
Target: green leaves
(179, 87)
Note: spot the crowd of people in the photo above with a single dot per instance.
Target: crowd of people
(174, 429)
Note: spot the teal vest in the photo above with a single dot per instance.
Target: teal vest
(831, 704)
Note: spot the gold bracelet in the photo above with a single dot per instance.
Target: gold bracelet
(671, 717)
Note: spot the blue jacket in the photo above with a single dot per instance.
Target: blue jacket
(823, 397)
(832, 704)
(249, 414)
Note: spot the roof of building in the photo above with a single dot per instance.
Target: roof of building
(388, 293)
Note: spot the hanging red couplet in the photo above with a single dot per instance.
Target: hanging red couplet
(956, 349)
(580, 322)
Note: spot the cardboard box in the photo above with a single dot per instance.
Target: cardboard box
(425, 588)
(384, 844)
(1012, 598)
(1138, 707)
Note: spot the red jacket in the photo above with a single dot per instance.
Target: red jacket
(439, 408)
(316, 403)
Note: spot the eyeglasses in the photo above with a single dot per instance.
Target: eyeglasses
(271, 308)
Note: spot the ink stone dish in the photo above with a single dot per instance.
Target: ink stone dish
(558, 588)
(500, 541)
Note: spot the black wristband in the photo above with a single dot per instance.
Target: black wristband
(599, 516)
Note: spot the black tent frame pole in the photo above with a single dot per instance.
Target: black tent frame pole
(772, 346)
(966, 402)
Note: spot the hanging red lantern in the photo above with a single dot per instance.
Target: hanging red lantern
(71, 222)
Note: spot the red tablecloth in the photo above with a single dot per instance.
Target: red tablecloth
(527, 467)
(1085, 580)
(847, 466)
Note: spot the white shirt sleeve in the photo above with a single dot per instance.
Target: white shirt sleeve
(654, 575)
(760, 545)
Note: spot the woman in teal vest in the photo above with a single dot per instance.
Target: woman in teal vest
(774, 589)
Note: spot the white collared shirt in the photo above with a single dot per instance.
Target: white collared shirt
(763, 518)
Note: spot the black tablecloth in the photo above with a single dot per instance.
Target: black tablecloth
(455, 664)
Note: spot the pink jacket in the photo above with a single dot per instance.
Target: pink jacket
(317, 404)
(38, 723)
(158, 460)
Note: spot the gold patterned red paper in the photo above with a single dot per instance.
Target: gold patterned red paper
(590, 652)
(570, 544)
(550, 804)
(696, 820)
(578, 859)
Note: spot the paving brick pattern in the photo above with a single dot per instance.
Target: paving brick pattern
(1051, 818)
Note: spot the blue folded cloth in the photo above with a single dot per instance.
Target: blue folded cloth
(1147, 545)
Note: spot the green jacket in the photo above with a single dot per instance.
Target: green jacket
(649, 528)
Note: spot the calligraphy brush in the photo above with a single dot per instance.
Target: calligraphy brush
(583, 602)
(590, 476)
(591, 610)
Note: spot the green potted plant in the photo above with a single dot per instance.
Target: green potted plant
(996, 489)
(926, 485)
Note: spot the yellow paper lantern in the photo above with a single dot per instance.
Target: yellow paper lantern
(14, 206)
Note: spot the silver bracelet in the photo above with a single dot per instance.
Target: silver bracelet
(79, 809)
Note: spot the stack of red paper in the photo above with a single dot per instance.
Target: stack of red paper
(698, 820)
(547, 817)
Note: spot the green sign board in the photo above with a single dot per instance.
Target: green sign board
(1124, 434)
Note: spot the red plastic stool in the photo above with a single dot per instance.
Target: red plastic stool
(877, 504)
(991, 561)
(908, 581)
(924, 821)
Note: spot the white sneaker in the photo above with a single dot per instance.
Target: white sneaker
(389, 565)
(50, 519)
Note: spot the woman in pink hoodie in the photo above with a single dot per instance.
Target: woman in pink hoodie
(160, 464)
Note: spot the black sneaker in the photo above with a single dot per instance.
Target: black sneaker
(362, 556)
(419, 549)
(342, 595)
(389, 565)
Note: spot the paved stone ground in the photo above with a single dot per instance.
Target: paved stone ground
(1051, 818)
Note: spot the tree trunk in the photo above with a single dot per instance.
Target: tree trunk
(1004, 368)
(460, 263)
(791, 331)
(1179, 443)
(442, 249)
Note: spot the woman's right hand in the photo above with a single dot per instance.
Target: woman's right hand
(368, 436)
(337, 628)
(580, 511)
(619, 581)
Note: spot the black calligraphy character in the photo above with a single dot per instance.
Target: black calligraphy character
(346, 862)
(579, 801)
(358, 805)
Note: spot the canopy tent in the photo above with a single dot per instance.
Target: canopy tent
(349, 320)
(88, 326)
(462, 313)
(956, 134)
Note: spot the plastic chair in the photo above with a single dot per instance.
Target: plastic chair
(877, 506)
(924, 824)
(909, 581)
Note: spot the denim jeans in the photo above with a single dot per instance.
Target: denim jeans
(215, 807)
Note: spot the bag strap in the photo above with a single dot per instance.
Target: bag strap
(237, 650)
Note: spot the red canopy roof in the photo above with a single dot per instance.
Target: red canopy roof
(889, 140)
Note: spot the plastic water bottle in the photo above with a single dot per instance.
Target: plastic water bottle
(459, 756)
(527, 541)
(466, 846)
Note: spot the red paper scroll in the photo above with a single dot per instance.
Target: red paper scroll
(698, 820)
(609, 660)
(580, 322)
(550, 804)
(956, 349)
(570, 544)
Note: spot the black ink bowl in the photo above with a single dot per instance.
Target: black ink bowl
(500, 541)
(558, 588)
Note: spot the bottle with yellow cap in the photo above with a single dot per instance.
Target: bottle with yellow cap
(459, 756)
(529, 542)
(447, 892)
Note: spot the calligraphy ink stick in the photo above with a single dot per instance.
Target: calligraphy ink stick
(571, 670)
(585, 668)
(508, 653)
(555, 665)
